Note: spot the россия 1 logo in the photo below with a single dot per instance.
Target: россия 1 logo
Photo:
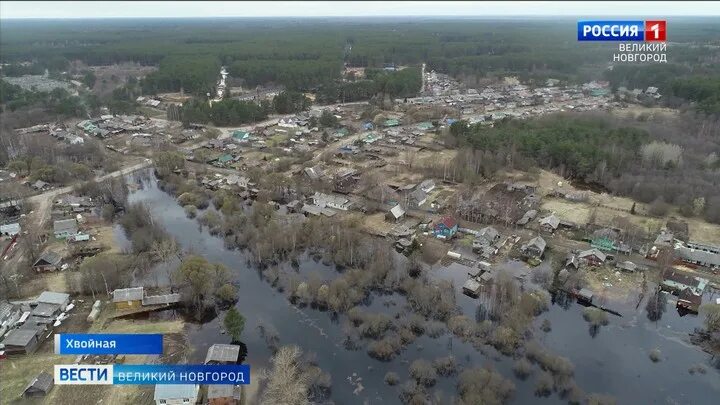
(648, 31)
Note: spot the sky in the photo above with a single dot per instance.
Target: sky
(128, 9)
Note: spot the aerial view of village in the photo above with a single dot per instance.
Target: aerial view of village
(403, 209)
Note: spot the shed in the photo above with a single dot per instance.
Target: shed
(48, 261)
(224, 394)
(45, 310)
(51, 297)
(627, 266)
(472, 287)
(64, 228)
(24, 340)
(39, 386)
(396, 212)
(550, 223)
(10, 229)
(176, 393)
(222, 354)
(585, 295)
(127, 298)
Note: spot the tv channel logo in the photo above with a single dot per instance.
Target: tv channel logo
(647, 31)
(84, 374)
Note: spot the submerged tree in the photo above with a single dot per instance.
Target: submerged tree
(234, 322)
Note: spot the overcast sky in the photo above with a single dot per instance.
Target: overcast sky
(109, 9)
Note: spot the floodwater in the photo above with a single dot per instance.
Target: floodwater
(614, 360)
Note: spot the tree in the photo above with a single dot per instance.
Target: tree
(328, 120)
(288, 102)
(195, 274)
(234, 323)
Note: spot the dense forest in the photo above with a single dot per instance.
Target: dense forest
(667, 160)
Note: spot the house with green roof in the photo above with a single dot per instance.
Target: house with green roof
(391, 123)
(340, 133)
(241, 135)
(425, 126)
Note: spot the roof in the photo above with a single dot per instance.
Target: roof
(65, 225)
(50, 297)
(323, 198)
(397, 211)
(585, 293)
(472, 285)
(22, 337)
(489, 233)
(6, 309)
(128, 294)
(50, 257)
(223, 353)
(10, 229)
(448, 222)
(418, 195)
(175, 391)
(699, 256)
(537, 242)
(223, 391)
(161, 299)
(43, 382)
(689, 296)
(45, 310)
(551, 220)
(593, 252)
(627, 265)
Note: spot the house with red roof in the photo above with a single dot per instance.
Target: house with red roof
(446, 228)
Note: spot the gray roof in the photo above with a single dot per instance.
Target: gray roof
(128, 294)
(472, 285)
(65, 225)
(43, 382)
(698, 256)
(161, 299)
(593, 252)
(22, 337)
(223, 353)
(45, 310)
(489, 233)
(6, 309)
(418, 195)
(627, 265)
(175, 391)
(551, 220)
(223, 391)
(537, 242)
(397, 211)
(50, 297)
(52, 258)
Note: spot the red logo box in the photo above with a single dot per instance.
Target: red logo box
(655, 30)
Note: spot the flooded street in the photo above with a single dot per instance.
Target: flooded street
(613, 361)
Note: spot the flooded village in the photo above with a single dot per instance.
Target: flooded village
(350, 230)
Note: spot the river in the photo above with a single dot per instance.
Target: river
(614, 361)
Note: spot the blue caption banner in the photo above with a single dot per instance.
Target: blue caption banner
(611, 30)
(106, 343)
(141, 374)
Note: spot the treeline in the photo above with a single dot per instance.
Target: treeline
(192, 75)
(227, 112)
(403, 83)
(659, 161)
(58, 101)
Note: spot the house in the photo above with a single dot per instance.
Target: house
(396, 213)
(224, 394)
(39, 386)
(689, 300)
(314, 173)
(550, 223)
(50, 297)
(676, 282)
(427, 185)
(446, 228)
(9, 229)
(128, 298)
(627, 266)
(323, 200)
(64, 228)
(572, 262)
(9, 315)
(417, 198)
(39, 185)
(240, 135)
(490, 234)
(472, 287)
(535, 247)
(527, 217)
(592, 257)
(48, 261)
(222, 354)
(24, 340)
(585, 296)
(289, 122)
(46, 311)
(176, 394)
